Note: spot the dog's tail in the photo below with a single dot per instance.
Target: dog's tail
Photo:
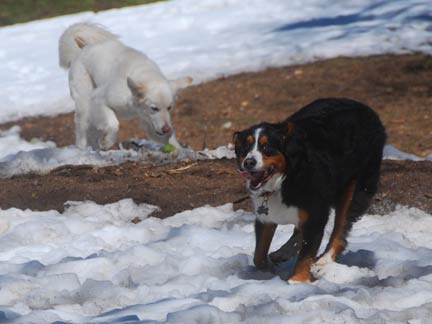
(77, 36)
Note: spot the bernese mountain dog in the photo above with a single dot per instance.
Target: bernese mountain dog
(326, 155)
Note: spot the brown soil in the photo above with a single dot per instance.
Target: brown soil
(185, 186)
(399, 88)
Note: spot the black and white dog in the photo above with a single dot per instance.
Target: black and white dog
(328, 154)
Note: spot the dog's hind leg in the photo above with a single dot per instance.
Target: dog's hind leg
(289, 249)
(337, 242)
(352, 205)
(81, 88)
(367, 186)
(311, 227)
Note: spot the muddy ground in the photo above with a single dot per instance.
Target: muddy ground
(398, 87)
(185, 186)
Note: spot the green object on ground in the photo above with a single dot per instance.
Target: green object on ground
(168, 148)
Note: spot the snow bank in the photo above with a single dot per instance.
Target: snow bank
(392, 153)
(92, 264)
(11, 143)
(18, 156)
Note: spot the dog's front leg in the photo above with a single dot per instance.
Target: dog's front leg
(263, 236)
(289, 249)
(173, 141)
(104, 120)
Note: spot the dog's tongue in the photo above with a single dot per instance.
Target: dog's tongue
(257, 178)
(244, 174)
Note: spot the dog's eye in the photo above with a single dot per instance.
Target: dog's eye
(154, 108)
(266, 149)
(169, 108)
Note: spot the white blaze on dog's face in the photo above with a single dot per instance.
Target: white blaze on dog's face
(259, 155)
(154, 102)
(255, 153)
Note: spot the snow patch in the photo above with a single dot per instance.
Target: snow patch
(91, 264)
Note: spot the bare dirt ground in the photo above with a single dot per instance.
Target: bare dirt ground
(398, 87)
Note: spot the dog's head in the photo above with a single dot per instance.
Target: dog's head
(153, 102)
(263, 151)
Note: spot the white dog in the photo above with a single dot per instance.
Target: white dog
(109, 80)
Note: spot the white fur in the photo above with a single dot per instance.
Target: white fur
(108, 81)
(325, 259)
(279, 213)
(255, 153)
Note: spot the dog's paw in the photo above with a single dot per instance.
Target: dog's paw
(300, 279)
(325, 259)
(287, 251)
(281, 256)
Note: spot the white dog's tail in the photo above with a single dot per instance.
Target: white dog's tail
(76, 36)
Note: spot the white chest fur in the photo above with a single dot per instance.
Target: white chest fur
(276, 211)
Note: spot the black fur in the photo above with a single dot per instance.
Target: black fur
(327, 145)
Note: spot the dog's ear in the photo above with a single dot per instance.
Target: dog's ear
(286, 130)
(180, 83)
(293, 143)
(235, 138)
(136, 89)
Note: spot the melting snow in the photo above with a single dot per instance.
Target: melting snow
(91, 264)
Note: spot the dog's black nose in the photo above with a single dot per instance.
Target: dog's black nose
(249, 163)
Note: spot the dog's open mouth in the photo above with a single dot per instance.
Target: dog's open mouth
(160, 134)
(257, 178)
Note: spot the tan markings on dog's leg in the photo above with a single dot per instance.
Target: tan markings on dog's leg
(302, 271)
(303, 266)
(336, 242)
(303, 217)
(264, 238)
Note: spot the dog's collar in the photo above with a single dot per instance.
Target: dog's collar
(267, 194)
(263, 209)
